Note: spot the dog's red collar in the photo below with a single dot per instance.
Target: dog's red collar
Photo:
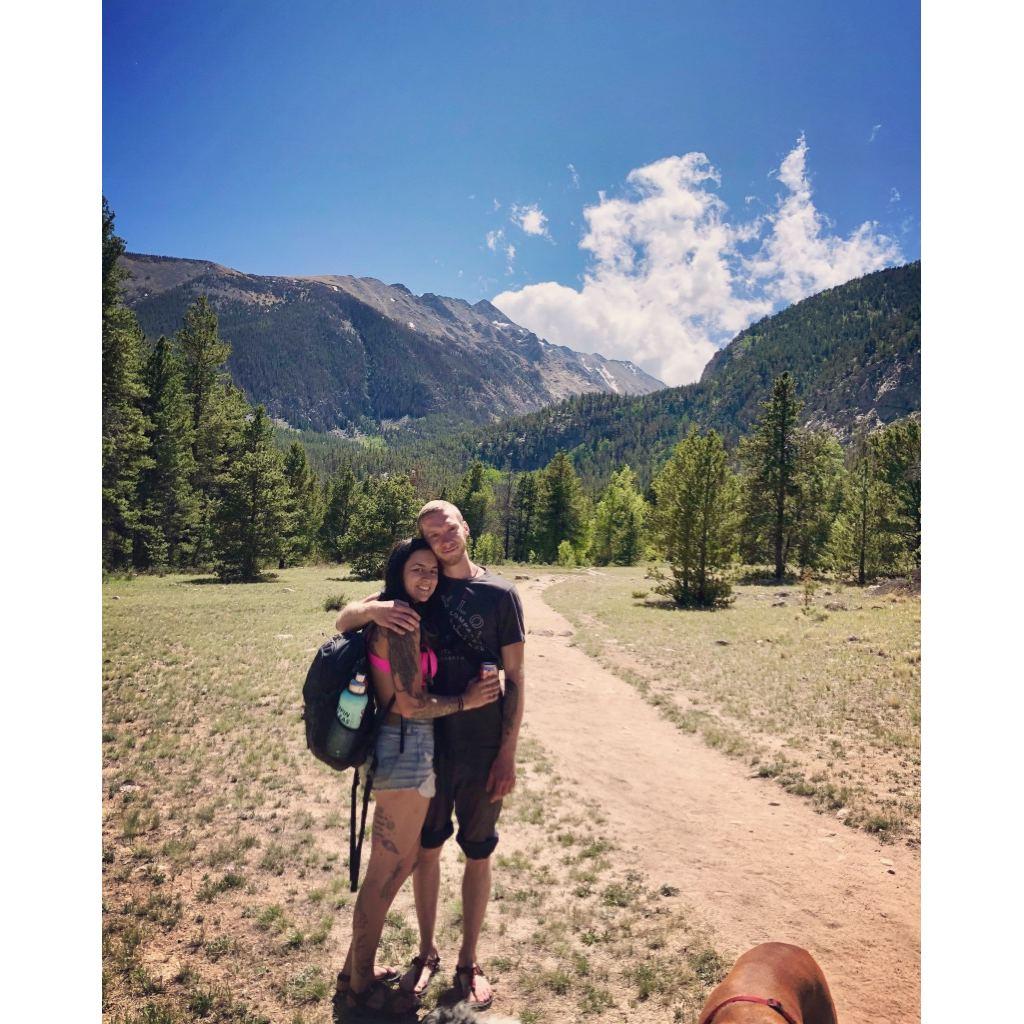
(773, 1003)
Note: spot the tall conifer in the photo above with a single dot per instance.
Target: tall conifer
(619, 522)
(219, 414)
(769, 456)
(523, 517)
(897, 450)
(384, 512)
(167, 502)
(251, 516)
(306, 510)
(563, 508)
(475, 499)
(694, 519)
(125, 446)
(339, 500)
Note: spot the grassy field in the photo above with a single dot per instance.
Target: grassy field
(224, 843)
(817, 688)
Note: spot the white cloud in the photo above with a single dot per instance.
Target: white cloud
(494, 239)
(798, 257)
(574, 175)
(670, 279)
(875, 129)
(894, 195)
(531, 219)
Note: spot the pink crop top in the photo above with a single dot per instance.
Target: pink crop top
(428, 663)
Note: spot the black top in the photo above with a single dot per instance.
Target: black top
(473, 620)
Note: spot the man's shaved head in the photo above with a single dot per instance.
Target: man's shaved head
(437, 505)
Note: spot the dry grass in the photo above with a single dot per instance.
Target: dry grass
(821, 691)
(225, 883)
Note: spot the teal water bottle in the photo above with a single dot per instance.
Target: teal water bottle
(352, 702)
(345, 727)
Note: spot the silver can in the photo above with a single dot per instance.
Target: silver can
(486, 668)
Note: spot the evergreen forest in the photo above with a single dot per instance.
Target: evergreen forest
(702, 480)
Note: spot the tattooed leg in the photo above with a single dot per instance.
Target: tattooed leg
(397, 821)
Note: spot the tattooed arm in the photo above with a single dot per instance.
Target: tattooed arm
(502, 777)
(411, 700)
(396, 615)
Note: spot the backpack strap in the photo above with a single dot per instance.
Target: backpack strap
(355, 843)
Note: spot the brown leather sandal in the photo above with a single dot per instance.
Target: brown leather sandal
(431, 963)
(386, 974)
(381, 1000)
(463, 982)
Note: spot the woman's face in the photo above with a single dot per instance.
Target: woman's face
(420, 575)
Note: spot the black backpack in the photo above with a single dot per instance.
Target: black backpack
(334, 666)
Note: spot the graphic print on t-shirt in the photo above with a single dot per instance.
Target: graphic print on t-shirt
(467, 623)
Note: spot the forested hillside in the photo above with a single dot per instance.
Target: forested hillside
(194, 478)
(854, 352)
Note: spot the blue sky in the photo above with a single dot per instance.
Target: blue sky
(470, 148)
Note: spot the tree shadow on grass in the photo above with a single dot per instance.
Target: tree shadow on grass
(264, 577)
(759, 578)
(667, 605)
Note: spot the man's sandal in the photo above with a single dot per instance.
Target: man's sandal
(431, 964)
(463, 982)
(386, 974)
(383, 1001)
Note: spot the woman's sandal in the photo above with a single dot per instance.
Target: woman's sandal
(463, 982)
(382, 1000)
(430, 963)
(385, 974)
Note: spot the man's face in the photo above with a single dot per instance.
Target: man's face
(446, 533)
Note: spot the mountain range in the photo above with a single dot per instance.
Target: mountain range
(354, 354)
(854, 351)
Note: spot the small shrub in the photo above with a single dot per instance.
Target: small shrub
(308, 986)
(556, 981)
(335, 603)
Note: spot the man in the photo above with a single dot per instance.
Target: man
(481, 620)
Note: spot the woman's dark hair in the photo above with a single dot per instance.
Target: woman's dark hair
(394, 586)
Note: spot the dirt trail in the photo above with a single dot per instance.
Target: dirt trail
(756, 863)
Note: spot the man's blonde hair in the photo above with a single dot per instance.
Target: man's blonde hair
(437, 505)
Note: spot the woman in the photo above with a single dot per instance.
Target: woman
(400, 667)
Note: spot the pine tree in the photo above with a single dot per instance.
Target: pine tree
(251, 516)
(859, 544)
(203, 355)
(306, 510)
(340, 500)
(505, 498)
(769, 455)
(168, 505)
(563, 513)
(384, 512)
(523, 517)
(897, 451)
(219, 415)
(619, 522)
(818, 499)
(125, 446)
(694, 520)
(475, 499)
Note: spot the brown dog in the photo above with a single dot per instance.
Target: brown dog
(769, 984)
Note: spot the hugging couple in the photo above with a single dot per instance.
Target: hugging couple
(435, 634)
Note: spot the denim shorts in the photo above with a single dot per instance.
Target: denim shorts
(411, 768)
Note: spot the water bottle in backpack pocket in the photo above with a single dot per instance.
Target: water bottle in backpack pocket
(344, 732)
